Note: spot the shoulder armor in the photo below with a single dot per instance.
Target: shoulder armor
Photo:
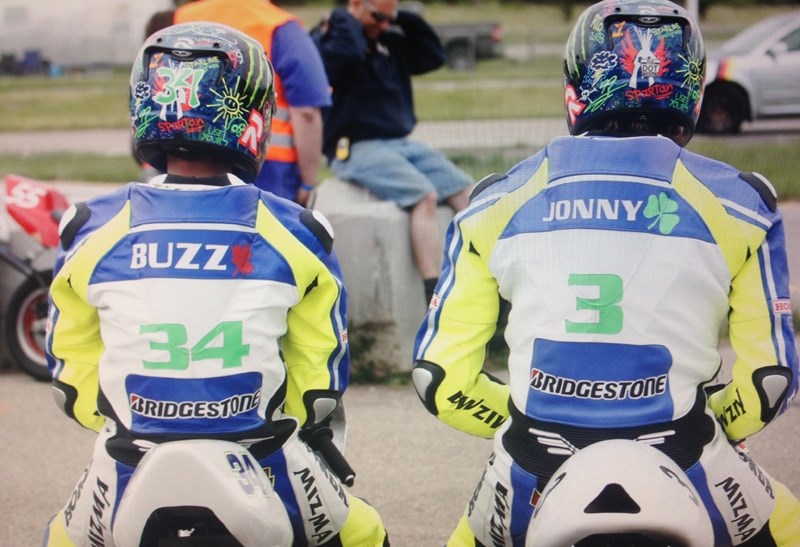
(71, 223)
(763, 187)
(484, 183)
(319, 226)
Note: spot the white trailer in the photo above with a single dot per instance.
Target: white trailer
(76, 33)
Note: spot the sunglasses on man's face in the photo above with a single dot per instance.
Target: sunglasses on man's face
(380, 17)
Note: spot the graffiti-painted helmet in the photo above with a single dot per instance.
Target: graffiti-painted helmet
(634, 67)
(202, 88)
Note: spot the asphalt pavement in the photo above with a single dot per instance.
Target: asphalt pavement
(416, 471)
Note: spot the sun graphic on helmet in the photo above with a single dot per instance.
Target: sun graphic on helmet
(692, 71)
(229, 105)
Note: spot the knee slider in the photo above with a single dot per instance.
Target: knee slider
(772, 385)
(427, 377)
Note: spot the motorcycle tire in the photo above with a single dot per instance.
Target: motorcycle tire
(25, 325)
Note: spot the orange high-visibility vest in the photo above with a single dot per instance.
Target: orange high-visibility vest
(259, 19)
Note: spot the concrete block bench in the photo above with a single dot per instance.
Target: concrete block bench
(386, 300)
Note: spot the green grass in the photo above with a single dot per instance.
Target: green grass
(492, 103)
(497, 89)
(67, 166)
(72, 102)
(778, 162)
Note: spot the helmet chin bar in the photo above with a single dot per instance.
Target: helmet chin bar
(632, 124)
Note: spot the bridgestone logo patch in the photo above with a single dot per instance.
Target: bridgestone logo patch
(172, 410)
(598, 389)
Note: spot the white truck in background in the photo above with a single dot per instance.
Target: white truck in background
(41, 35)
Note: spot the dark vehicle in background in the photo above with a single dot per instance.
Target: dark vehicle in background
(466, 43)
(752, 76)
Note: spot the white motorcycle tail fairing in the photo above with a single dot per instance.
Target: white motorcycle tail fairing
(619, 487)
(218, 475)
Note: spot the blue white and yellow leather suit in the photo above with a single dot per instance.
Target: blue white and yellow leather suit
(622, 259)
(200, 308)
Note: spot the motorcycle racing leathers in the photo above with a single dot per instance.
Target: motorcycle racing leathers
(185, 308)
(621, 259)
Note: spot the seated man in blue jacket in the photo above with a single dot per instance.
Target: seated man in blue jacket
(370, 51)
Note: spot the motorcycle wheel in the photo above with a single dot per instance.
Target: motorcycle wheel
(723, 111)
(25, 325)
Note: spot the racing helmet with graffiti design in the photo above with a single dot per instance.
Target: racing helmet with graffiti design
(202, 89)
(634, 67)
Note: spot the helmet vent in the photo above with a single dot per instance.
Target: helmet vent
(613, 499)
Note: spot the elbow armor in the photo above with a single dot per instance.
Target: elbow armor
(772, 385)
(65, 397)
(427, 377)
(320, 405)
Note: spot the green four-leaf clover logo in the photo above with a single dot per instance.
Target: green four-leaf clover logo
(662, 210)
